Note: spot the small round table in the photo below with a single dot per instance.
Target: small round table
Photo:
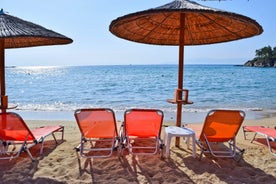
(174, 131)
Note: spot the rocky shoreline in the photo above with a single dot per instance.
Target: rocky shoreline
(257, 62)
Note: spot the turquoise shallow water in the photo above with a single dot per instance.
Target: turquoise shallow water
(61, 90)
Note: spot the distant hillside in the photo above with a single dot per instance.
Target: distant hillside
(264, 57)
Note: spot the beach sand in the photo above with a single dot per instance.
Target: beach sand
(60, 164)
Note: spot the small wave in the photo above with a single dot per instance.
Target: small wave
(59, 107)
(256, 109)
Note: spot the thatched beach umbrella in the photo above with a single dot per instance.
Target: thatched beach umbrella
(180, 23)
(17, 33)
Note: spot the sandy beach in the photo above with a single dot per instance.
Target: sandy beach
(60, 164)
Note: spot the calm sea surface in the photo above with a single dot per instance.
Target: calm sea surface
(61, 90)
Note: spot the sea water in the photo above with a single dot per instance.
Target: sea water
(58, 91)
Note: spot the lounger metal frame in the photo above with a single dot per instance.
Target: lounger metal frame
(128, 140)
(11, 148)
(256, 132)
(87, 147)
(232, 150)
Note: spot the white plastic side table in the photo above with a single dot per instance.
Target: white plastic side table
(174, 131)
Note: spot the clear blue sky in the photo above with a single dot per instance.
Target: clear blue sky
(87, 23)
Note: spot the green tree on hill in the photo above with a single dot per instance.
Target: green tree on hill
(274, 52)
(265, 53)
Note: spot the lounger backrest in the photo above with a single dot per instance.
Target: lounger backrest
(96, 123)
(13, 128)
(222, 125)
(143, 122)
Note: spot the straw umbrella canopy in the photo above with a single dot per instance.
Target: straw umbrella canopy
(17, 33)
(183, 22)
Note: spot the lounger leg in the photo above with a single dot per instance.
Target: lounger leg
(26, 147)
(4, 147)
(232, 147)
(269, 147)
(201, 153)
(208, 146)
(253, 137)
(161, 146)
(202, 149)
(54, 138)
(62, 134)
(53, 134)
(30, 155)
(237, 152)
(243, 130)
(41, 147)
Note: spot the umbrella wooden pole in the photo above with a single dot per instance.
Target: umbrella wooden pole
(180, 73)
(4, 98)
(180, 86)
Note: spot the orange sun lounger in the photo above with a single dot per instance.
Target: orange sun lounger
(141, 131)
(16, 137)
(268, 133)
(221, 126)
(98, 129)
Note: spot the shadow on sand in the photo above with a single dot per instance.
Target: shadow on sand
(227, 170)
(133, 169)
(22, 168)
